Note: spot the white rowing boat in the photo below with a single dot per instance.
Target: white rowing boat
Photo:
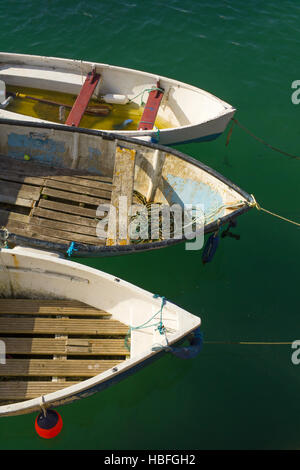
(138, 104)
(68, 331)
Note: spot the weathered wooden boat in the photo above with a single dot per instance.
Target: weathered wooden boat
(63, 188)
(61, 341)
(140, 104)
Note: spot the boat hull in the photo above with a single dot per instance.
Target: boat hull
(194, 114)
(36, 274)
(180, 181)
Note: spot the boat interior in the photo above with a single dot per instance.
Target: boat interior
(62, 80)
(57, 185)
(52, 344)
(62, 323)
(40, 94)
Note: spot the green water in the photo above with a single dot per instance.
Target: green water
(230, 396)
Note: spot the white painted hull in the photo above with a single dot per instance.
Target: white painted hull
(38, 274)
(194, 114)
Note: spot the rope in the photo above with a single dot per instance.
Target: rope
(145, 219)
(142, 93)
(255, 203)
(250, 342)
(235, 121)
(43, 406)
(156, 139)
(159, 325)
(213, 213)
(3, 243)
(258, 207)
(71, 249)
(229, 134)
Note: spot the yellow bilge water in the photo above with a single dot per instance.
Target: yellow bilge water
(118, 113)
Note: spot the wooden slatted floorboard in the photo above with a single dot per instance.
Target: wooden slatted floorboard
(52, 204)
(51, 344)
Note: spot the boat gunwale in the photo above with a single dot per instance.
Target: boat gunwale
(91, 250)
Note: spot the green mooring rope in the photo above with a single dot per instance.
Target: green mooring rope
(159, 325)
(143, 92)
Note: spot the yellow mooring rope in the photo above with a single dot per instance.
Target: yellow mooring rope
(258, 207)
(268, 343)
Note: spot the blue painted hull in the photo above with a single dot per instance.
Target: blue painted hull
(206, 138)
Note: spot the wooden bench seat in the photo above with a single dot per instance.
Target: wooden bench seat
(151, 109)
(123, 184)
(83, 99)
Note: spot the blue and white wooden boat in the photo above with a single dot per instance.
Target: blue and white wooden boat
(172, 113)
(61, 341)
(63, 189)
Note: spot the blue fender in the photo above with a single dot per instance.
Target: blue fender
(210, 248)
(191, 351)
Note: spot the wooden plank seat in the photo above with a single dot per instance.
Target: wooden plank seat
(83, 99)
(151, 109)
(122, 193)
(51, 344)
(52, 204)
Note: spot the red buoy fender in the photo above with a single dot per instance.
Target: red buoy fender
(48, 425)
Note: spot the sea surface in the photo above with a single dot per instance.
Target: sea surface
(232, 396)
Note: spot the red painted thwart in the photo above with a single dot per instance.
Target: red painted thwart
(151, 109)
(83, 99)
